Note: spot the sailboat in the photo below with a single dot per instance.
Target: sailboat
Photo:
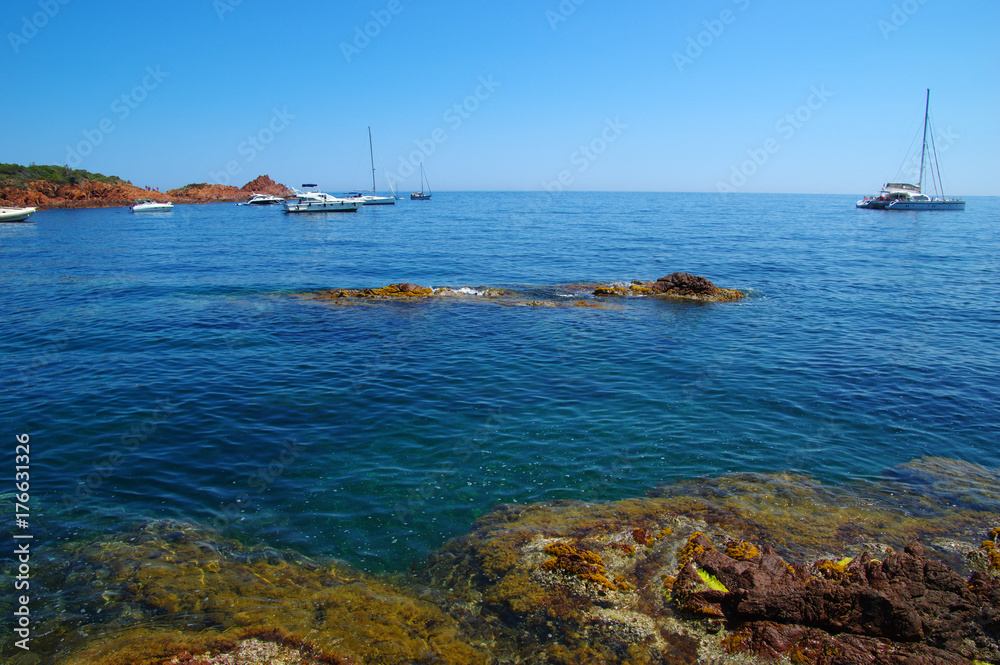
(905, 196)
(421, 196)
(373, 199)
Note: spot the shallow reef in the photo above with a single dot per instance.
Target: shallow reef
(734, 569)
(739, 567)
(172, 588)
(677, 286)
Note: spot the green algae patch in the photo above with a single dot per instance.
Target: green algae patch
(711, 581)
(201, 591)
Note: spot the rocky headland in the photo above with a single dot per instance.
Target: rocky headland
(60, 187)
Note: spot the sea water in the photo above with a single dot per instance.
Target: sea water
(171, 365)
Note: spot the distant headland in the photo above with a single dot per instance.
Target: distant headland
(62, 187)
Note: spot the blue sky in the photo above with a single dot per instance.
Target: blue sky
(575, 94)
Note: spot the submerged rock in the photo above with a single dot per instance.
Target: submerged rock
(641, 580)
(678, 286)
(733, 569)
(171, 588)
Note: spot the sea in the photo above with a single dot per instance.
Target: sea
(177, 365)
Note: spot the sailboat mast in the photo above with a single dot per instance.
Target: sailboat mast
(371, 153)
(923, 149)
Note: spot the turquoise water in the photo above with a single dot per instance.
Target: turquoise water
(164, 367)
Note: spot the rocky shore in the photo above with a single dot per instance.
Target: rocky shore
(711, 571)
(96, 194)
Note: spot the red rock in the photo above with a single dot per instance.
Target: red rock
(263, 184)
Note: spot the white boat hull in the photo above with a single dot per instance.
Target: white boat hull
(153, 207)
(15, 214)
(336, 205)
(378, 200)
(926, 205)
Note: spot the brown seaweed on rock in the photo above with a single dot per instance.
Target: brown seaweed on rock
(680, 286)
(168, 588)
(640, 580)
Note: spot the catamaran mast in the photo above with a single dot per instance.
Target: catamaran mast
(371, 153)
(923, 149)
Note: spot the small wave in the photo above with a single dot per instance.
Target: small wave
(463, 290)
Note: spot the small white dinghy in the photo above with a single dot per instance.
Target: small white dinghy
(15, 214)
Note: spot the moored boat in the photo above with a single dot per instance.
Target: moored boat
(373, 199)
(16, 214)
(421, 196)
(261, 199)
(313, 201)
(905, 196)
(146, 205)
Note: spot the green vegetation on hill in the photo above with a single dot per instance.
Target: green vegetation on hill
(17, 175)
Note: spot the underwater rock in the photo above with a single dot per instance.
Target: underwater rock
(640, 580)
(679, 286)
(401, 290)
(168, 588)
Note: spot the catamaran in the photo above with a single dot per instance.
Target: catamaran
(905, 196)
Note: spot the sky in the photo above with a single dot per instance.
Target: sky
(724, 95)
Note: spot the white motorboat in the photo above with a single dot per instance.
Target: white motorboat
(312, 201)
(904, 196)
(261, 200)
(16, 214)
(146, 205)
(421, 195)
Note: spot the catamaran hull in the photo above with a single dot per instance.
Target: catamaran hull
(873, 205)
(927, 205)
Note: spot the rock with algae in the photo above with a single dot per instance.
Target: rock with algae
(168, 588)
(680, 286)
(675, 285)
(586, 582)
